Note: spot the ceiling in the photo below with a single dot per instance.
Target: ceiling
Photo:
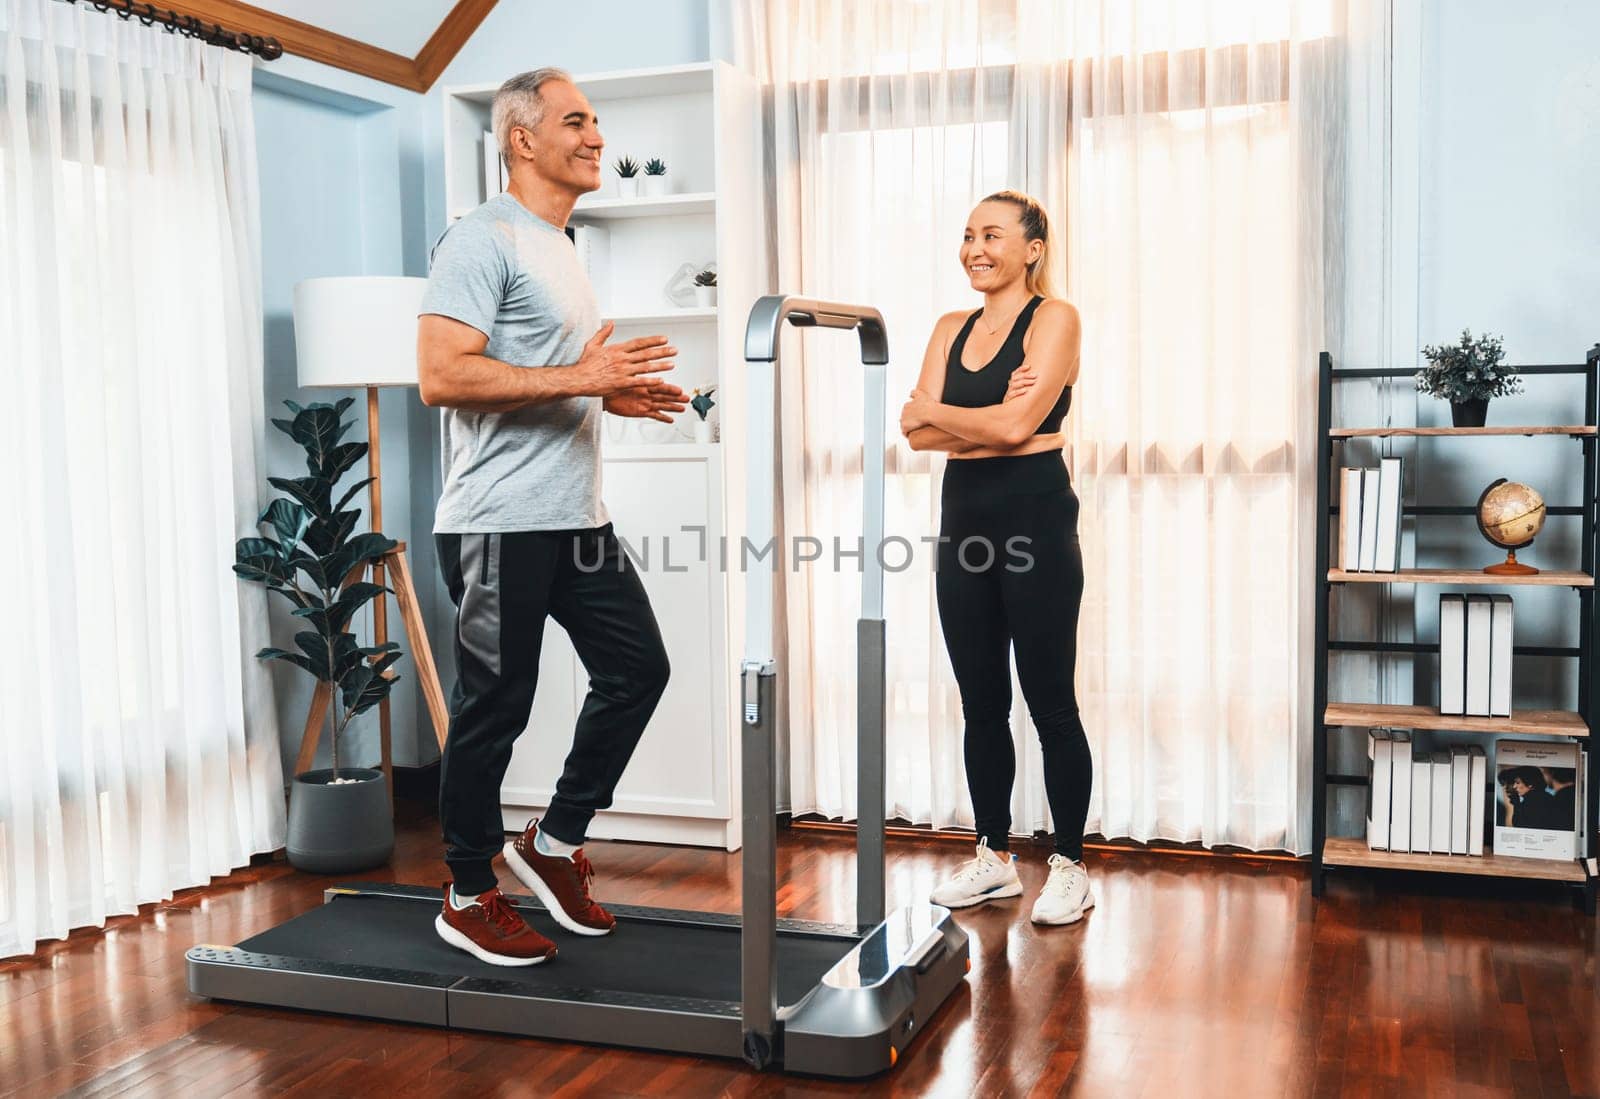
(399, 26)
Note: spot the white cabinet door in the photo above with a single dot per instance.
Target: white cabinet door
(681, 767)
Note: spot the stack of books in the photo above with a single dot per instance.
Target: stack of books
(1475, 654)
(1369, 517)
(1424, 802)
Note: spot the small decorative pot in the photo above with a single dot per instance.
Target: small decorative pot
(702, 431)
(705, 296)
(655, 186)
(339, 829)
(627, 186)
(1469, 413)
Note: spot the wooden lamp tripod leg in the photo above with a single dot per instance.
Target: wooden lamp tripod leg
(393, 565)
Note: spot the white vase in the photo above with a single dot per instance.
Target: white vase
(655, 186)
(705, 296)
(702, 431)
(627, 186)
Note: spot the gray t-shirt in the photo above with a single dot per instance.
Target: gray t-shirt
(516, 278)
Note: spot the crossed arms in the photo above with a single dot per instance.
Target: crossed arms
(1050, 365)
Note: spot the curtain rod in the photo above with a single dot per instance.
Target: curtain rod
(268, 49)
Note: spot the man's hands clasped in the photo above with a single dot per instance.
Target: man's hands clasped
(625, 375)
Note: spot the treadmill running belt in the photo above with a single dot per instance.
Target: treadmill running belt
(664, 959)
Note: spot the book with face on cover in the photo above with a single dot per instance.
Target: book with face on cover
(1536, 807)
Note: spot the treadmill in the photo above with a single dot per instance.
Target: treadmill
(824, 999)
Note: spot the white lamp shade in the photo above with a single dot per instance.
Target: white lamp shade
(358, 331)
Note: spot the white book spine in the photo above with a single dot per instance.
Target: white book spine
(1377, 811)
(1501, 632)
(1479, 781)
(1460, 799)
(1421, 794)
(593, 245)
(1479, 617)
(1369, 519)
(1382, 793)
(1350, 519)
(1439, 826)
(491, 166)
(1400, 793)
(1582, 851)
(1452, 654)
(1389, 503)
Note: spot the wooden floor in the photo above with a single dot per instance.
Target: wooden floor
(1195, 976)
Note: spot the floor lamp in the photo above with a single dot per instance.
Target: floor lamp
(354, 333)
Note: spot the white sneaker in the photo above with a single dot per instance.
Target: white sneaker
(1065, 896)
(989, 876)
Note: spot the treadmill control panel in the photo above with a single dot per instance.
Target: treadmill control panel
(904, 939)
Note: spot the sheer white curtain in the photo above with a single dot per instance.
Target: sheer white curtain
(138, 733)
(1187, 151)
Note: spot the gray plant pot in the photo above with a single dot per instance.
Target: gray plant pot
(340, 829)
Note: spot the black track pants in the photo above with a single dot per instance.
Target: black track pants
(503, 586)
(1010, 575)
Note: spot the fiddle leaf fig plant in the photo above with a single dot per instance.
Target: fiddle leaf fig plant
(314, 560)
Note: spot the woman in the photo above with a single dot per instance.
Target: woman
(994, 388)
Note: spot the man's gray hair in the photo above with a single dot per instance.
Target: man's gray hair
(518, 103)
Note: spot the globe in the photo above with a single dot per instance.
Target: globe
(1510, 514)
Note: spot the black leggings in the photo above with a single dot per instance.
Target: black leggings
(1010, 574)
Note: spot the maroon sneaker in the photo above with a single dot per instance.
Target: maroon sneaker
(562, 883)
(492, 931)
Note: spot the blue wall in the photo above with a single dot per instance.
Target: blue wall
(352, 182)
(1508, 234)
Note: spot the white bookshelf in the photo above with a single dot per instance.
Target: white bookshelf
(704, 121)
(618, 209)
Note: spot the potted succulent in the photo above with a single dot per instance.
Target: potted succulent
(339, 818)
(655, 177)
(627, 170)
(1467, 375)
(700, 400)
(705, 287)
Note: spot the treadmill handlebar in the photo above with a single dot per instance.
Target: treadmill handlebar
(769, 313)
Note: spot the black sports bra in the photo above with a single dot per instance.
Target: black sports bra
(987, 386)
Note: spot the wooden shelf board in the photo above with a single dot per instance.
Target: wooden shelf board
(1553, 578)
(1360, 715)
(698, 202)
(1355, 852)
(1354, 432)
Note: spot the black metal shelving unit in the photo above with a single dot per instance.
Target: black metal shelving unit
(1341, 854)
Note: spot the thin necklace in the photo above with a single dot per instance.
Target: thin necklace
(984, 317)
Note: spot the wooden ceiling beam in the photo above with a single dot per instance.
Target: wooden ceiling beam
(315, 44)
(441, 49)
